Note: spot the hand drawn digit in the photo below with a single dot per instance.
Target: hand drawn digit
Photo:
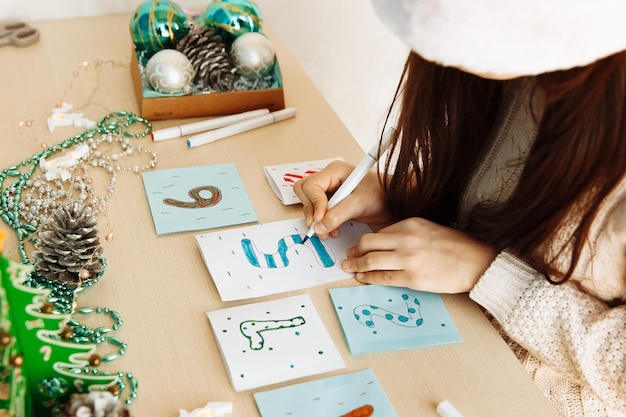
(291, 178)
(363, 411)
(252, 329)
(198, 200)
(279, 258)
(365, 313)
(46, 350)
(78, 383)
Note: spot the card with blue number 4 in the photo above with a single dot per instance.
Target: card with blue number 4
(378, 318)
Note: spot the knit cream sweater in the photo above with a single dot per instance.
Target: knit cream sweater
(568, 338)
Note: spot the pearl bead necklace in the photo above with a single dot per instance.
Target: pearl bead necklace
(40, 196)
(111, 162)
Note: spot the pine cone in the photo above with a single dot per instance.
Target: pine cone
(209, 58)
(69, 249)
(94, 404)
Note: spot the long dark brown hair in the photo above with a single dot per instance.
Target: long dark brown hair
(445, 125)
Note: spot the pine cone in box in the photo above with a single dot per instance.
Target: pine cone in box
(94, 404)
(209, 58)
(68, 249)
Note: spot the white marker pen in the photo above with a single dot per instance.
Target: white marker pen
(446, 409)
(230, 130)
(204, 125)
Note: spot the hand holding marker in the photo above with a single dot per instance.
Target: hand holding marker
(355, 176)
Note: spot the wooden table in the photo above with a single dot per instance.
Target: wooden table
(160, 285)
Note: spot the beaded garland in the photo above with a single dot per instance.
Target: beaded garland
(26, 203)
(20, 214)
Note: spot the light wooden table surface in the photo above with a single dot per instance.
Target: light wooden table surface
(160, 285)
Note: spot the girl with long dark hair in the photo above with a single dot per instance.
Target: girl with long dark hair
(507, 181)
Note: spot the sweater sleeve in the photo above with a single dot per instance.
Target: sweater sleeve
(577, 335)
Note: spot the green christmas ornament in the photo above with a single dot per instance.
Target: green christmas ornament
(234, 17)
(157, 25)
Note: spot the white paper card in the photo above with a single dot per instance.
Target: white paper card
(270, 258)
(282, 177)
(273, 341)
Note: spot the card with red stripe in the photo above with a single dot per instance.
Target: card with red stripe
(282, 177)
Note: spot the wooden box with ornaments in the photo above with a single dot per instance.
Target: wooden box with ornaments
(212, 63)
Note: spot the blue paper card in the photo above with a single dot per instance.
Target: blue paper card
(197, 198)
(355, 394)
(377, 318)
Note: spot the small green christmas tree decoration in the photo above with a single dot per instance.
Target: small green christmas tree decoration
(53, 366)
(14, 393)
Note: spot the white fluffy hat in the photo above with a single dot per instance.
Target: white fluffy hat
(508, 37)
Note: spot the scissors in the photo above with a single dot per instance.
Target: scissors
(18, 34)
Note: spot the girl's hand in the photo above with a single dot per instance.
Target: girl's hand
(421, 255)
(365, 204)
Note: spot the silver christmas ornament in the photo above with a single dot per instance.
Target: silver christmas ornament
(253, 54)
(170, 72)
